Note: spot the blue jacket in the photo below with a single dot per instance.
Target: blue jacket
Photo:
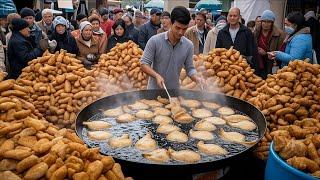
(20, 52)
(299, 46)
(146, 32)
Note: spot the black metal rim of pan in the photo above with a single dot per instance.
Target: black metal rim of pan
(229, 101)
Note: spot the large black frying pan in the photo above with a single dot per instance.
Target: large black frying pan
(167, 170)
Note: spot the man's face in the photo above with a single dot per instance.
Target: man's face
(200, 21)
(105, 17)
(127, 20)
(47, 18)
(233, 17)
(25, 32)
(30, 20)
(3, 22)
(165, 21)
(178, 30)
(258, 21)
(155, 18)
(95, 25)
(266, 25)
(118, 15)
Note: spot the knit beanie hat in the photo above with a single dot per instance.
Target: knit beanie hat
(83, 25)
(222, 17)
(59, 20)
(19, 24)
(268, 15)
(26, 12)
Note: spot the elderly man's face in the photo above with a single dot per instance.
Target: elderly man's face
(30, 20)
(233, 16)
(48, 18)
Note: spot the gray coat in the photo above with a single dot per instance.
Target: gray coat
(146, 32)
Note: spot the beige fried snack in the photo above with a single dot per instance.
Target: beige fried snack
(236, 118)
(201, 135)
(151, 103)
(113, 112)
(27, 163)
(177, 136)
(99, 135)
(201, 113)
(144, 114)
(234, 137)
(180, 115)
(186, 156)
(94, 169)
(190, 103)
(211, 105)
(37, 171)
(204, 125)
(158, 155)
(138, 106)
(8, 175)
(215, 120)
(211, 149)
(125, 118)
(167, 128)
(146, 143)
(120, 142)
(97, 125)
(225, 111)
(161, 111)
(244, 125)
(162, 119)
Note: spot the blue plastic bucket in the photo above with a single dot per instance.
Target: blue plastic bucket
(278, 169)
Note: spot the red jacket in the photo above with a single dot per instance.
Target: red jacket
(106, 26)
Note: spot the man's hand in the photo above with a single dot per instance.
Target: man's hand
(272, 55)
(261, 51)
(160, 81)
(199, 80)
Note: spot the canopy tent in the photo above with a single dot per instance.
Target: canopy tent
(154, 4)
(210, 5)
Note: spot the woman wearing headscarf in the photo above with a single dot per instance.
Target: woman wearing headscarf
(213, 33)
(98, 32)
(299, 43)
(88, 45)
(64, 39)
(119, 35)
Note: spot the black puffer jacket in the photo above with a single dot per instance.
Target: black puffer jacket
(65, 41)
(244, 42)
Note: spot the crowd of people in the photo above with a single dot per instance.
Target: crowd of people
(264, 45)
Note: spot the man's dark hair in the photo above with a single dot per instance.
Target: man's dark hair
(257, 17)
(296, 18)
(202, 14)
(181, 15)
(251, 24)
(193, 16)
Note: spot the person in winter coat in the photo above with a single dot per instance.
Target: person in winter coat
(165, 22)
(213, 33)
(240, 37)
(88, 45)
(20, 49)
(64, 39)
(119, 35)
(131, 32)
(46, 24)
(106, 23)
(299, 43)
(268, 38)
(150, 28)
(98, 32)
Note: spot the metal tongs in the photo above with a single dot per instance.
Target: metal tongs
(165, 88)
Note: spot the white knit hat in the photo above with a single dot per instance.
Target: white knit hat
(84, 24)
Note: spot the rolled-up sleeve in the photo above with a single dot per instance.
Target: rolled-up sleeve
(191, 70)
(149, 52)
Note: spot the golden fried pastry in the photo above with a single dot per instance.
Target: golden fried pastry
(211, 149)
(226, 111)
(245, 125)
(113, 112)
(162, 111)
(151, 103)
(190, 103)
(215, 120)
(201, 135)
(126, 109)
(234, 137)
(177, 136)
(144, 114)
(167, 128)
(211, 105)
(180, 115)
(125, 118)
(163, 100)
(120, 142)
(138, 106)
(186, 156)
(146, 143)
(201, 113)
(236, 118)
(303, 163)
(99, 135)
(162, 119)
(158, 155)
(97, 125)
(204, 125)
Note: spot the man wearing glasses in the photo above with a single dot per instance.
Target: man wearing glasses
(165, 22)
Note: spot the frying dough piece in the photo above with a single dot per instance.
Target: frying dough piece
(204, 125)
(146, 143)
(201, 113)
(163, 100)
(162, 119)
(234, 137)
(245, 125)
(190, 103)
(167, 128)
(177, 136)
(215, 120)
(162, 111)
(138, 106)
(99, 135)
(125, 118)
(120, 142)
(211, 105)
(186, 156)
(211, 149)
(226, 111)
(113, 112)
(180, 115)
(158, 155)
(144, 114)
(97, 125)
(126, 109)
(201, 135)
(236, 118)
(151, 103)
